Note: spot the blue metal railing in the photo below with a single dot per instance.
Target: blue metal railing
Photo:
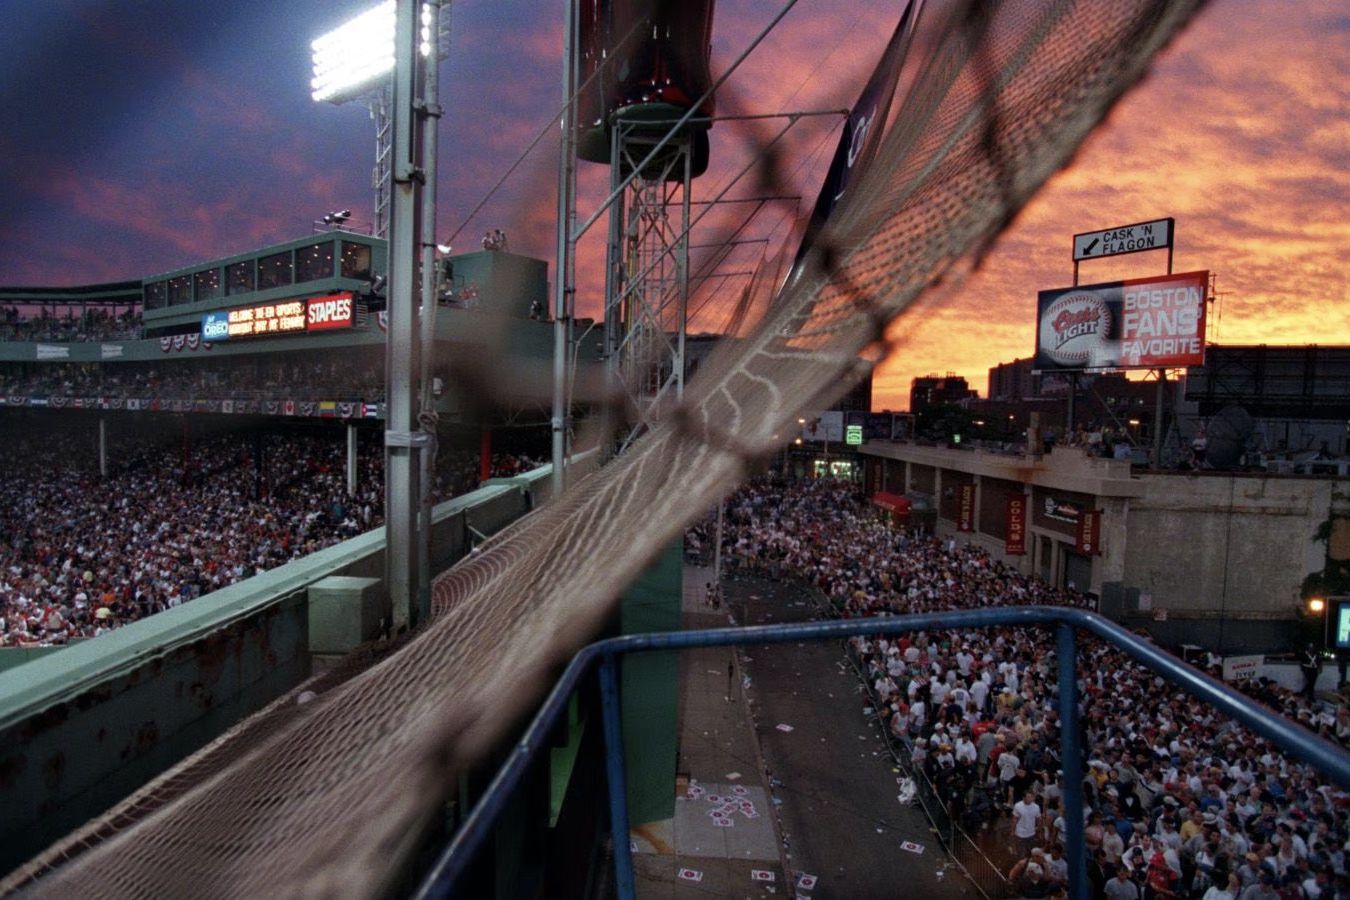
(1331, 760)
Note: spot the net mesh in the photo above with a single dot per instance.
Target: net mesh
(328, 797)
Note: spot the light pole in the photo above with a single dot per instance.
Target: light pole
(352, 61)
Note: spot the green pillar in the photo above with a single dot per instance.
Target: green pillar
(649, 688)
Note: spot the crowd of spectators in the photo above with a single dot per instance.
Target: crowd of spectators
(80, 555)
(1180, 801)
(93, 325)
(307, 376)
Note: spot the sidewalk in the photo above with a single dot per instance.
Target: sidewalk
(721, 841)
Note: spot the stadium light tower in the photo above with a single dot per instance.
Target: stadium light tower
(390, 55)
(355, 61)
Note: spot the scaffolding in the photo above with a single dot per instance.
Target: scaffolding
(647, 272)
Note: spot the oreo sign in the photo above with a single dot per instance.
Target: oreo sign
(216, 326)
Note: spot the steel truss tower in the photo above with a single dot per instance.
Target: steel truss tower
(647, 272)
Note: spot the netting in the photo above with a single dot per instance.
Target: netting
(329, 797)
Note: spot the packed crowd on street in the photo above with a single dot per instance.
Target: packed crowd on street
(1180, 801)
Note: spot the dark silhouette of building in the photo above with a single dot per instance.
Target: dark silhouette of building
(935, 390)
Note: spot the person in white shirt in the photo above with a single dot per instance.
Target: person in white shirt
(1026, 821)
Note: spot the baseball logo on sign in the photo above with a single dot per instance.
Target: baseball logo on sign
(1074, 328)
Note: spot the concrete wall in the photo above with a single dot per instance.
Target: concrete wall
(84, 727)
(1233, 545)
(1223, 558)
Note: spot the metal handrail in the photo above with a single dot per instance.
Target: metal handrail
(1331, 760)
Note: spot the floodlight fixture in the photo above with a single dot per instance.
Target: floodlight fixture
(338, 217)
(444, 249)
(358, 55)
(1317, 605)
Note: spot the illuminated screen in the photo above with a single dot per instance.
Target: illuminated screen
(1341, 622)
(285, 317)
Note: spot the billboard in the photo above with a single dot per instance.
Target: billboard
(824, 426)
(323, 313)
(283, 317)
(1339, 611)
(1138, 323)
(216, 326)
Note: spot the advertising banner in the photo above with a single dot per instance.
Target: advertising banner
(52, 351)
(272, 319)
(323, 313)
(1015, 527)
(862, 132)
(1088, 539)
(1139, 323)
(965, 514)
(1242, 668)
(825, 426)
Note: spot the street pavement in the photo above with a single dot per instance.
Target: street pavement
(831, 773)
(791, 791)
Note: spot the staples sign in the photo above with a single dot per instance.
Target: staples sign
(334, 311)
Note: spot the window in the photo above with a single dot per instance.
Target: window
(314, 262)
(180, 290)
(355, 260)
(155, 295)
(274, 271)
(207, 284)
(239, 278)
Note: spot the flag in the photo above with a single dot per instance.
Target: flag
(862, 132)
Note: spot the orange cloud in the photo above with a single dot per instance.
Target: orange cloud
(1240, 133)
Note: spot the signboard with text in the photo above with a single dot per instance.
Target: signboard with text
(1154, 235)
(1015, 527)
(1088, 538)
(280, 318)
(965, 518)
(1138, 323)
(1242, 668)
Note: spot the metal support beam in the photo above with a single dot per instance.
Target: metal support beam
(351, 460)
(379, 105)
(429, 122)
(616, 778)
(102, 447)
(717, 542)
(563, 275)
(1158, 402)
(1071, 760)
(402, 362)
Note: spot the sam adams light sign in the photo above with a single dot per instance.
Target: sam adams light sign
(1139, 323)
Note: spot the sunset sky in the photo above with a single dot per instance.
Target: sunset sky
(144, 136)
